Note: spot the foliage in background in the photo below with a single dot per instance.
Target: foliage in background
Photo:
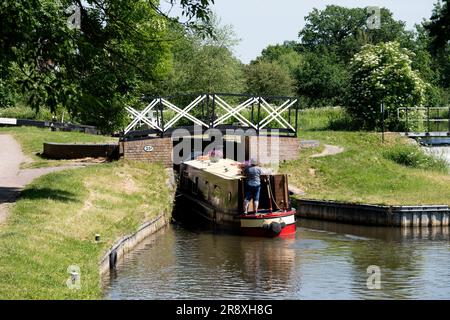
(272, 73)
(268, 79)
(202, 64)
(285, 55)
(322, 80)
(439, 25)
(343, 31)
(437, 32)
(20, 111)
(7, 96)
(383, 73)
(92, 71)
(326, 118)
(126, 50)
(318, 63)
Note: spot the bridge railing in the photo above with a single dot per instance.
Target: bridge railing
(263, 114)
(425, 119)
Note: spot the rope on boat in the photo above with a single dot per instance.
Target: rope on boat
(271, 193)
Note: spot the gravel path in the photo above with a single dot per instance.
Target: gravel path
(12, 178)
(328, 151)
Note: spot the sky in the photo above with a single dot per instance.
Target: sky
(259, 23)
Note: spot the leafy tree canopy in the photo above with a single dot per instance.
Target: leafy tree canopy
(383, 73)
(344, 30)
(285, 55)
(202, 64)
(92, 70)
(268, 79)
(322, 79)
(439, 26)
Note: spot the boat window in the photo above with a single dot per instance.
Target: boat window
(195, 186)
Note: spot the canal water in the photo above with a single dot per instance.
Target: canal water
(323, 261)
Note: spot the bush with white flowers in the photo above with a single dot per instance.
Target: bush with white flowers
(383, 73)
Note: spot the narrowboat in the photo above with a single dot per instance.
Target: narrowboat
(215, 190)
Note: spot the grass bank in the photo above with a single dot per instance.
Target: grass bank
(22, 111)
(54, 222)
(326, 118)
(369, 171)
(32, 139)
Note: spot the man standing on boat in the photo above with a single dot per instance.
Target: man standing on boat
(253, 185)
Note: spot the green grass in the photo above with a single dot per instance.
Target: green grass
(365, 172)
(412, 156)
(53, 225)
(327, 118)
(32, 140)
(21, 111)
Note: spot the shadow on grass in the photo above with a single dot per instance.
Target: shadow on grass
(8, 194)
(48, 193)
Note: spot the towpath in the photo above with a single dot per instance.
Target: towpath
(328, 151)
(12, 178)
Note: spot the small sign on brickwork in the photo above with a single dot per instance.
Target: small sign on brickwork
(148, 148)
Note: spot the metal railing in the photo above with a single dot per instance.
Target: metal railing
(433, 119)
(265, 115)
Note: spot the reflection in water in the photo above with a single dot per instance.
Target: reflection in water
(324, 261)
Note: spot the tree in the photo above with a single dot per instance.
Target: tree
(437, 35)
(344, 31)
(268, 79)
(430, 67)
(93, 71)
(383, 73)
(201, 64)
(439, 26)
(285, 55)
(329, 40)
(322, 79)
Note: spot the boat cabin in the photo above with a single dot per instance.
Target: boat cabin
(221, 184)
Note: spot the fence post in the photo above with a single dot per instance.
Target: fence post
(213, 113)
(407, 122)
(259, 113)
(252, 117)
(428, 119)
(289, 112)
(207, 109)
(162, 117)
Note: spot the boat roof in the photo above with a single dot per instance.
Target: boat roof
(224, 168)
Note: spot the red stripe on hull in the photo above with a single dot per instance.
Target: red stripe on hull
(288, 230)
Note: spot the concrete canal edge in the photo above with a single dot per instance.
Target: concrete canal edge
(376, 215)
(127, 243)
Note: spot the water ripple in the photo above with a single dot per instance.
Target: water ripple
(324, 261)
